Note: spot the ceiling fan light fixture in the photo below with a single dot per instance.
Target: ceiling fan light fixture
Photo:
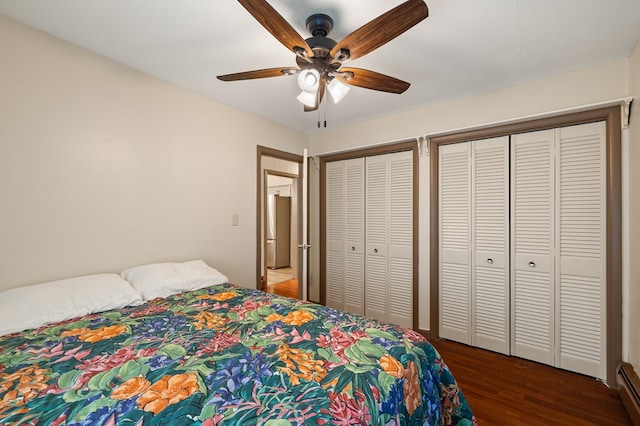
(309, 80)
(337, 89)
(307, 98)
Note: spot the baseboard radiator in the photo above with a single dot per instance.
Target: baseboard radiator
(629, 389)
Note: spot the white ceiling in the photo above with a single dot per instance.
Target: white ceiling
(463, 47)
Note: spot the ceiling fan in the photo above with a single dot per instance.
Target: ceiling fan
(320, 58)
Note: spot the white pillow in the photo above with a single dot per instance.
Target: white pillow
(165, 279)
(36, 305)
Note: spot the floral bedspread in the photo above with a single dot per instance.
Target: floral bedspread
(225, 355)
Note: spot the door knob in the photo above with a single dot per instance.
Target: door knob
(375, 250)
(532, 264)
(489, 261)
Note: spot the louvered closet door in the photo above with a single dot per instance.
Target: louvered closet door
(532, 246)
(389, 238)
(580, 276)
(400, 282)
(490, 244)
(354, 236)
(455, 241)
(335, 225)
(377, 231)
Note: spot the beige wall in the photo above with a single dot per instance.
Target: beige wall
(632, 208)
(102, 167)
(563, 92)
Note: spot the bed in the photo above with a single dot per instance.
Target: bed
(222, 354)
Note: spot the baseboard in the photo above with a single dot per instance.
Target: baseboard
(629, 389)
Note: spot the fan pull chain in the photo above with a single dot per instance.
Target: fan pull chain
(325, 112)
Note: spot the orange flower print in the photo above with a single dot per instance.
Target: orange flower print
(92, 336)
(208, 320)
(300, 365)
(274, 318)
(168, 390)
(225, 295)
(25, 385)
(298, 317)
(130, 388)
(411, 387)
(391, 366)
(450, 401)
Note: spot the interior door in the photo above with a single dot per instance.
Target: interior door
(490, 244)
(454, 190)
(400, 205)
(532, 246)
(354, 196)
(335, 245)
(377, 237)
(581, 250)
(304, 246)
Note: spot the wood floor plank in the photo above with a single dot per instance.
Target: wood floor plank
(505, 390)
(287, 288)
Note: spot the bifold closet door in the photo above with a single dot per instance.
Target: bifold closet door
(389, 238)
(354, 190)
(454, 188)
(334, 275)
(490, 271)
(558, 248)
(532, 246)
(580, 241)
(474, 238)
(345, 235)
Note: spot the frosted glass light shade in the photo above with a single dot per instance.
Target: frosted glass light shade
(307, 98)
(337, 89)
(309, 80)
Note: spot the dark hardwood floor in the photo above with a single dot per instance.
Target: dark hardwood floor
(504, 390)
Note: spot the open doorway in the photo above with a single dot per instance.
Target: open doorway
(279, 175)
(282, 228)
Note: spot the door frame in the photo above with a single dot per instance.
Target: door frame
(261, 201)
(612, 116)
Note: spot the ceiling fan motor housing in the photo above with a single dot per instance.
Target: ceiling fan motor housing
(320, 25)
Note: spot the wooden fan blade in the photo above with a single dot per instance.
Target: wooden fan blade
(269, 18)
(383, 29)
(373, 80)
(319, 96)
(249, 75)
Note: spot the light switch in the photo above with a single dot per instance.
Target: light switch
(235, 219)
